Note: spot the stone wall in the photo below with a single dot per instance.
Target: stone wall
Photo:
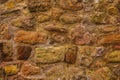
(59, 40)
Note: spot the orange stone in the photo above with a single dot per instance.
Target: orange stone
(110, 39)
(30, 37)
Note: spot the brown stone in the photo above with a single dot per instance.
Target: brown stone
(29, 69)
(71, 54)
(58, 38)
(4, 31)
(70, 18)
(110, 39)
(55, 13)
(71, 4)
(107, 29)
(55, 28)
(80, 36)
(100, 74)
(30, 37)
(26, 23)
(23, 52)
(39, 5)
(6, 51)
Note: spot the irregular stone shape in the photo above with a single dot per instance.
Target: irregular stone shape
(99, 18)
(6, 49)
(113, 56)
(50, 54)
(4, 32)
(116, 70)
(29, 69)
(70, 18)
(71, 4)
(100, 74)
(23, 52)
(80, 36)
(113, 10)
(10, 69)
(109, 29)
(71, 54)
(30, 37)
(58, 38)
(55, 13)
(55, 28)
(9, 14)
(42, 18)
(26, 23)
(39, 5)
(110, 39)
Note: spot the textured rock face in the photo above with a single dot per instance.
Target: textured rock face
(10, 69)
(110, 39)
(59, 40)
(4, 32)
(23, 52)
(30, 37)
(39, 5)
(50, 55)
(71, 54)
(6, 51)
(114, 56)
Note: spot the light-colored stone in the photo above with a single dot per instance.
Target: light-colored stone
(113, 56)
(50, 54)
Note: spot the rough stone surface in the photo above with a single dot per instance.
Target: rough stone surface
(10, 69)
(30, 37)
(50, 54)
(23, 52)
(71, 54)
(6, 51)
(60, 39)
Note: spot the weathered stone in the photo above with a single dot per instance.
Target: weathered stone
(39, 5)
(6, 51)
(50, 54)
(113, 56)
(100, 74)
(55, 13)
(23, 52)
(100, 18)
(30, 69)
(71, 54)
(113, 10)
(55, 28)
(42, 18)
(109, 29)
(58, 38)
(4, 32)
(9, 14)
(116, 69)
(80, 36)
(24, 23)
(70, 18)
(110, 39)
(30, 37)
(71, 4)
(10, 69)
